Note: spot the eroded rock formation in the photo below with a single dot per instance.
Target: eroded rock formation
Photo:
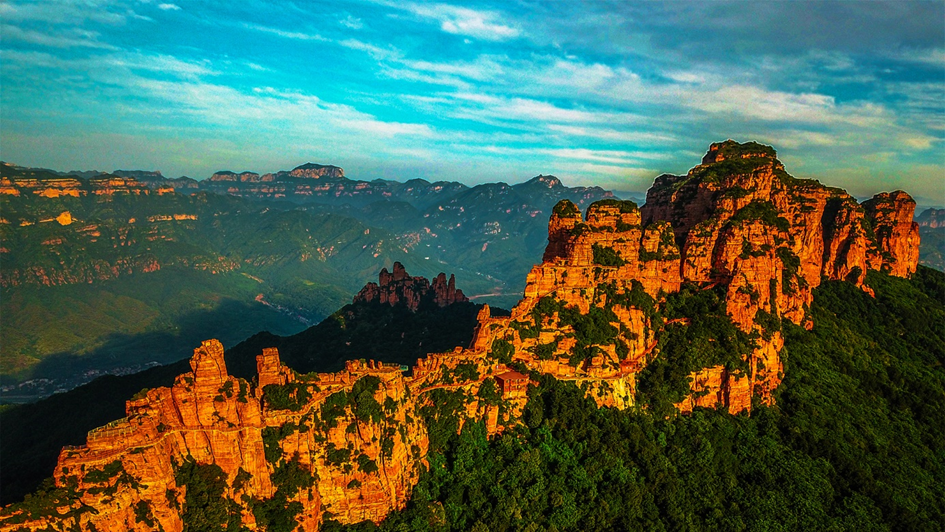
(397, 287)
(602, 307)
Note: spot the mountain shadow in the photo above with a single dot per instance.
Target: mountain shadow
(231, 321)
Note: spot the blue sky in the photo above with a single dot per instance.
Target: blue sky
(613, 94)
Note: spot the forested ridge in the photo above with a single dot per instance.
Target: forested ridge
(853, 443)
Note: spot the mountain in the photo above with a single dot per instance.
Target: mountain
(396, 320)
(684, 307)
(97, 268)
(92, 273)
(481, 230)
(34, 433)
(932, 229)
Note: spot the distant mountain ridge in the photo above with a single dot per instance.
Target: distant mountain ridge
(95, 232)
(306, 183)
(932, 229)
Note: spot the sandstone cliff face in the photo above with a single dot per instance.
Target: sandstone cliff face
(736, 226)
(738, 222)
(897, 236)
(354, 437)
(16, 181)
(742, 221)
(397, 287)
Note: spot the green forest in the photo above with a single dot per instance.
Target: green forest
(853, 443)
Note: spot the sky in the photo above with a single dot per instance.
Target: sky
(596, 93)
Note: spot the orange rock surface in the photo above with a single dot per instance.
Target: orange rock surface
(737, 223)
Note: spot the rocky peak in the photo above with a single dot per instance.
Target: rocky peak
(242, 177)
(720, 151)
(317, 171)
(397, 287)
(737, 223)
(546, 181)
(208, 364)
(896, 235)
(269, 369)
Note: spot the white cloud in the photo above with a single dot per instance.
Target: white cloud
(930, 56)
(67, 38)
(169, 7)
(73, 12)
(485, 25)
(611, 134)
(352, 23)
(287, 34)
(376, 52)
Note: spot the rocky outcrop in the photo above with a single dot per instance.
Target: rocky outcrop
(317, 171)
(19, 181)
(742, 221)
(604, 305)
(348, 442)
(397, 287)
(242, 177)
(896, 235)
(737, 223)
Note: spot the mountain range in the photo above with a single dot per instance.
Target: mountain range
(99, 268)
(749, 350)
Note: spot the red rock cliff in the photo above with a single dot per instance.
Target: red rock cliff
(591, 314)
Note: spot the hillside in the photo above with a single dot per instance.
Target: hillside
(620, 321)
(96, 266)
(34, 434)
(932, 229)
(853, 443)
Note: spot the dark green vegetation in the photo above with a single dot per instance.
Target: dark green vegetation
(625, 206)
(731, 149)
(854, 442)
(606, 256)
(708, 339)
(763, 211)
(364, 330)
(590, 330)
(205, 507)
(277, 514)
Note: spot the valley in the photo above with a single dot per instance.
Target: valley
(97, 267)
